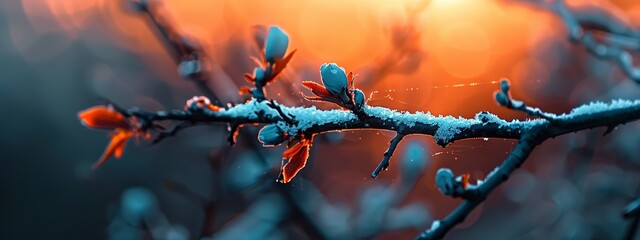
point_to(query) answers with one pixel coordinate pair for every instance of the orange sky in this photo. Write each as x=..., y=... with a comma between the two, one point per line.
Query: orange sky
x=465, y=42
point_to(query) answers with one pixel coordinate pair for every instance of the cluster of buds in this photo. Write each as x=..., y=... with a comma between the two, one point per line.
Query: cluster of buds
x=296, y=155
x=274, y=59
x=449, y=184
x=503, y=97
x=337, y=87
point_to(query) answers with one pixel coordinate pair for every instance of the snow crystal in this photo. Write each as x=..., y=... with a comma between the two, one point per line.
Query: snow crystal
x=435, y=225
x=486, y=117
x=448, y=126
x=494, y=171
x=250, y=110
x=306, y=117
x=594, y=107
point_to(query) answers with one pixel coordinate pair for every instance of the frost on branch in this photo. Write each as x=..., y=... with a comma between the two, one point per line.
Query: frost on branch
x=444, y=129
x=297, y=126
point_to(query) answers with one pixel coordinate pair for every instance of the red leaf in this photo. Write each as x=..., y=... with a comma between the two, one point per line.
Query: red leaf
x=292, y=151
x=320, y=91
x=280, y=65
x=330, y=99
x=116, y=146
x=311, y=98
x=102, y=117
x=259, y=62
x=249, y=78
x=297, y=160
x=316, y=88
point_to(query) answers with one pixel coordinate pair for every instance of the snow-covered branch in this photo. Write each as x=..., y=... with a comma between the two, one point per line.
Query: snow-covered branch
x=310, y=121
x=297, y=126
x=581, y=118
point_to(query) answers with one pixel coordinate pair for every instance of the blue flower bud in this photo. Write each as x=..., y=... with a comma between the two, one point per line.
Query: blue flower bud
x=276, y=44
x=258, y=74
x=358, y=98
x=272, y=135
x=445, y=181
x=502, y=98
x=504, y=85
x=335, y=80
x=189, y=68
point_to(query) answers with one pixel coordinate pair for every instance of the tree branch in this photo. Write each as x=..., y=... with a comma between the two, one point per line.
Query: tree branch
x=581, y=118
x=185, y=51
x=526, y=144
x=504, y=98
x=588, y=23
x=445, y=130
x=631, y=211
x=384, y=164
x=298, y=125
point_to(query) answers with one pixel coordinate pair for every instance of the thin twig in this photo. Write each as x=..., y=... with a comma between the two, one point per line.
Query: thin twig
x=384, y=164
x=176, y=128
x=493, y=180
x=618, y=37
x=632, y=210
x=183, y=49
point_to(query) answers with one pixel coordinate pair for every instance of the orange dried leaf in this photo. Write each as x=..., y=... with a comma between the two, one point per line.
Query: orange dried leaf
x=249, y=77
x=280, y=65
x=465, y=180
x=316, y=88
x=295, y=163
x=285, y=60
x=258, y=61
x=116, y=146
x=313, y=99
x=244, y=90
x=102, y=117
x=320, y=91
x=292, y=151
x=214, y=108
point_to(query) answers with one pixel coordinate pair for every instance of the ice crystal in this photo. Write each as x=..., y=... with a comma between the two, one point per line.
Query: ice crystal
x=594, y=107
